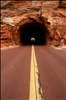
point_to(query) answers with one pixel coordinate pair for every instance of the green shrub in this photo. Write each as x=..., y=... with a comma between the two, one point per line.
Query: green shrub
x=56, y=45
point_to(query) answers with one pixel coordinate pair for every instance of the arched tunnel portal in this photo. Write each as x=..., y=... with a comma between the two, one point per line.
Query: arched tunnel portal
x=33, y=33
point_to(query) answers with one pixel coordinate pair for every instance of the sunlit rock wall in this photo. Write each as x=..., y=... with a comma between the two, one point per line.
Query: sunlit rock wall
x=14, y=14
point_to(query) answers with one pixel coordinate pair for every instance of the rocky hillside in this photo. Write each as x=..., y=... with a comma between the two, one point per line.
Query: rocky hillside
x=14, y=12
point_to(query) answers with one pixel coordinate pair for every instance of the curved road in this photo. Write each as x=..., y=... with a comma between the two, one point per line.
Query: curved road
x=15, y=72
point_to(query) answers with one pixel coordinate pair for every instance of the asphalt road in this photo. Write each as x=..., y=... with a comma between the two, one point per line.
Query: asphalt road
x=15, y=75
x=52, y=69
x=15, y=72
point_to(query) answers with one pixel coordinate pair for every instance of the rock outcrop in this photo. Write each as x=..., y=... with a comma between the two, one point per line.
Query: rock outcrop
x=19, y=13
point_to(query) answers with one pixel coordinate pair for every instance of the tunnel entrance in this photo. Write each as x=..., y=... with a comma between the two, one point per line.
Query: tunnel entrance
x=33, y=33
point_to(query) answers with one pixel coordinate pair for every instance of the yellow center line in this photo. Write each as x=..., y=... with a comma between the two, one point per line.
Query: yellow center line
x=35, y=92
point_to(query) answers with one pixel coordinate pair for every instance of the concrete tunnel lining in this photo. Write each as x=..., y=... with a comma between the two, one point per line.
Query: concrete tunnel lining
x=33, y=30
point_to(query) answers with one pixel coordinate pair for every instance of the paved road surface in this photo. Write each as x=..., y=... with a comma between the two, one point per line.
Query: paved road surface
x=15, y=72
x=52, y=69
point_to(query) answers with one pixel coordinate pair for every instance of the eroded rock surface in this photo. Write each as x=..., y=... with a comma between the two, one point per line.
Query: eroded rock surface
x=16, y=13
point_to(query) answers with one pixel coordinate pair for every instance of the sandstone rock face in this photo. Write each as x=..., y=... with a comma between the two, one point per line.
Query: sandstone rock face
x=6, y=38
x=20, y=12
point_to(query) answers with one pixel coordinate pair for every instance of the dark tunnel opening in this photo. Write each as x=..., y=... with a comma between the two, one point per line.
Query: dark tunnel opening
x=33, y=33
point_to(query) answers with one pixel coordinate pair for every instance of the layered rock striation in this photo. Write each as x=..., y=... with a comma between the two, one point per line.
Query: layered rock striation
x=15, y=14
